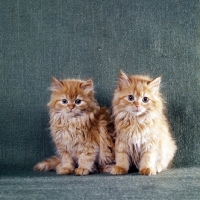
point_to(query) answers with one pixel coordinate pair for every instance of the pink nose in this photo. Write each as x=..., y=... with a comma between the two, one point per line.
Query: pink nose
x=71, y=107
x=137, y=107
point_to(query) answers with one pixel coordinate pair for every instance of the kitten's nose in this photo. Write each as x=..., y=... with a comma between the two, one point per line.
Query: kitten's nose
x=70, y=107
x=137, y=107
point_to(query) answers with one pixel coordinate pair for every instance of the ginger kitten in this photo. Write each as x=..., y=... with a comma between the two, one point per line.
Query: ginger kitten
x=79, y=129
x=143, y=134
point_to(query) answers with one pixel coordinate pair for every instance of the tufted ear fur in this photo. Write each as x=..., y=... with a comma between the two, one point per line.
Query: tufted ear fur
x=123, y=80
x=87, y=85
x=56, y=84
x=155, y=84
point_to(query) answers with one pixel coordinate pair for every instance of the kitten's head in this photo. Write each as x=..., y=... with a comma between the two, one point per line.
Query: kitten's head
x=137, y=95
x=72, y=97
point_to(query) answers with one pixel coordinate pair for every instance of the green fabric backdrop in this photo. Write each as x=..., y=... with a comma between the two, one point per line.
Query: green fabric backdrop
x=95, y=38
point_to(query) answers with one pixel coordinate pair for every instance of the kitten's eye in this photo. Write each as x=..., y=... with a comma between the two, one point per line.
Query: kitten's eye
x=145, y=99
x=64, y=101
x=77, y=101
x=130, y=97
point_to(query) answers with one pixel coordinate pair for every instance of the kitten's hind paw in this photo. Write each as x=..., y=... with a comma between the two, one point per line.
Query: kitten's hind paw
x=107, y=168
x=63, y=170
x=81, y=171
x=116, y=170
x=147, y=171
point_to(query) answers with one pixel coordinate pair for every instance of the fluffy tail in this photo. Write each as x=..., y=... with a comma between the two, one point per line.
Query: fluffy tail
x=48, y=164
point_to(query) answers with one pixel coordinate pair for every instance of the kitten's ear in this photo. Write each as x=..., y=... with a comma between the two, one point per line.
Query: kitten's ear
x=87, y=85
x=56, y=84
x=155, y=84
x=123, y=80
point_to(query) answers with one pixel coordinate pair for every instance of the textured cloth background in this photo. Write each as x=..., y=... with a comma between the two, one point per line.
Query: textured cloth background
x=95, y=38
x=173, y=184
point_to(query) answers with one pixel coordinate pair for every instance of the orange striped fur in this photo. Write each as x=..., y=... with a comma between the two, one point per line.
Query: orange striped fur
x=143, y=134
x=79, y=128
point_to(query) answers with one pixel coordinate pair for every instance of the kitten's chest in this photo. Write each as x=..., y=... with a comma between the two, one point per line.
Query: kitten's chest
x=70, y=131
x=72, y=134
x=139, y=135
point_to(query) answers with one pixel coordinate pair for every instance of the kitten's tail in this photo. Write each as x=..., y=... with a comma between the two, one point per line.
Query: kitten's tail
x=48, y=164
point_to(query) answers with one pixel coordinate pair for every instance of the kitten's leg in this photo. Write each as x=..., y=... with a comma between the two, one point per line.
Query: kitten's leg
x=164, y=163
x=122, y=159
x=67, y=164
x=107, y=168
x=147, y=163
x=166, y=156
x=159, y=167
x=85, y=163
x=106, y=156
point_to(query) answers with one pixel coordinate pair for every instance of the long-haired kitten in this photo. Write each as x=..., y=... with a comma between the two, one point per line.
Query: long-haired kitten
x=79, y=129
x=143, y=134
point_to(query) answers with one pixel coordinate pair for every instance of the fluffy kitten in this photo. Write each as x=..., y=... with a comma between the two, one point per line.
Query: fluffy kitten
x=79, y=129
x=143, y=135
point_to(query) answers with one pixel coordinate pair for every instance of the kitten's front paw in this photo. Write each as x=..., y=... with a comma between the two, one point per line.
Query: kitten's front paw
x=148, y=171
x=81, y=171
x=116, y=170
x=63, y=170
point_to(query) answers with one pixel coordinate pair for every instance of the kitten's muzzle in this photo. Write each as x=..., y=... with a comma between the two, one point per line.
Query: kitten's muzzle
x=71, y=107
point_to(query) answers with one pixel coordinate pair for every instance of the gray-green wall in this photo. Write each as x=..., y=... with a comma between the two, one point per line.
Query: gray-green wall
x=95, y=38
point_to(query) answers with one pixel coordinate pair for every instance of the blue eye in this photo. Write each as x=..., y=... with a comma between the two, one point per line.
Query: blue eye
x=64, y=101
x=130, y=97
x=77, y=101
